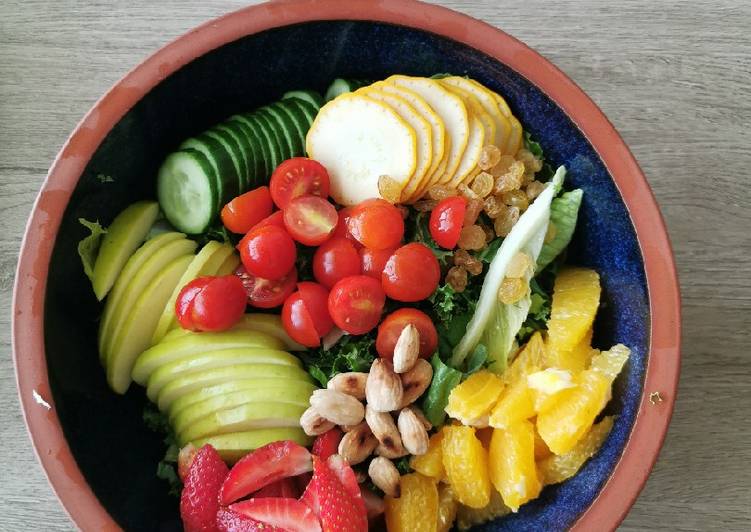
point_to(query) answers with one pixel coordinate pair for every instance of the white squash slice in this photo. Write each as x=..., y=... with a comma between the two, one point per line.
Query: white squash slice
x=515, y=137
x=487, y=99
x=359, y=139
x=478, y=110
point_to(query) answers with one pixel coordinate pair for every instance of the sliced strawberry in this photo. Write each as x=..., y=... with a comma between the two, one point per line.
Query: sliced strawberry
x=285, y=487
x=302, y=481
x=344, y=473
x=199, y=499
x=374, y=505
x=263, y=466
x=184, y=459
x=337, y=508
x=327, y=443
x=229, y=521
x=289, y=514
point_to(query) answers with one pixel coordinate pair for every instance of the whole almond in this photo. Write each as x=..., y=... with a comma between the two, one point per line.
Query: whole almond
x=391, y=454
x=407, y=349
x=337, y=407
x=416, y=381
x=384, y=428
x=421, y=416
x=352, y=383
x=385, y=475
x=383, y=389
x=357, y=444
x=313, y=423
x=414, y=435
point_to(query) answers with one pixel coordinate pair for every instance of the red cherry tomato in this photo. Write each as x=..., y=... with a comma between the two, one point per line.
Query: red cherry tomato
x=211, y=303
x=305, y=314
x=411, y=273
x=268, y=252
x=297, y=177
x=276, y=219
x=446, y=221
x=356, y=303
x=376, y=224
x=336, y=259
x=373, y=261
x=341, y=226
x=393, y=324
x=246, y=210
x=310, y=219
x=263, y=293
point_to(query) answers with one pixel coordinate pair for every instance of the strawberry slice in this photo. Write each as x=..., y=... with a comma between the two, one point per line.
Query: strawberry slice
x=327, y=443
x=199, y=499
x=337, y=508
x=374, y=505
x=184, y=459
x=288, y=514
x=344, y=473
x=263, y=466
x=285, y=487
x=229, y=521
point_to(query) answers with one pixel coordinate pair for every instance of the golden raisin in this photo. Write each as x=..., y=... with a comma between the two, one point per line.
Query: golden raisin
x=520, y=263
x=492, y=206
x=512, y=290
x=461, y=257
x=489, y=232
x=515, y=198
x=467, y=192
x=511, y=179
x=425, y=205
x=472, y=237
x=474, y=208
x=506, y=220
x=489, y=157
x=482, y=185
x=550, y=233
x=457, y=278
x=531, y=163
x=504, y=163
x=534, y=189
x=439, y=192
x=389, y=189
x=473, y=266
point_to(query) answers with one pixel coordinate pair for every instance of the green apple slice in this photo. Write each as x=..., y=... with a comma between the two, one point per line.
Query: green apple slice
x=231, y=447
x=150, y=269
x=291, y=392
x=229, y=265
x=135, y=334
x=192, y=381
x=242, y=418
x=206, y=262
x=124, y=235
x=216, y=359
x=196, y=343
x=135, y=262
x=218, y=391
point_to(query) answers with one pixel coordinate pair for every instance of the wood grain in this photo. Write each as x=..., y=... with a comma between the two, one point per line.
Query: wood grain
x=672, y=76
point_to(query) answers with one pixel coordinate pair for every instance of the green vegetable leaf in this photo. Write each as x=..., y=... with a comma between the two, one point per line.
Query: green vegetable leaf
x=88, y=247
x=476, y=361
x=444, y=380
x=168, y=472
x=443, y=302
x=351, y=353
x=441, y=75
x=539, y=312
x=488, y=252
x=532, y=146
x=166, y=468
x=402, y=465
x=564, y=212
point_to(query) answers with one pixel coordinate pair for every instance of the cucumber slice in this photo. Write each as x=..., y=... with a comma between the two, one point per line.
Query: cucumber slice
x=256, y=137
x=231, y=148
x=242, y=134
x=187, y=191
x=342, y=86
x=220, y=160
x=286, y=127
x=311, y=97
x=299, y=119
x=283, y=149
x=268, y=141
x=239, y=151
x=308, y=110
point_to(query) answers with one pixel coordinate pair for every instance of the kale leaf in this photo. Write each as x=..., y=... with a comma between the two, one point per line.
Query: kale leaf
x=351, y=353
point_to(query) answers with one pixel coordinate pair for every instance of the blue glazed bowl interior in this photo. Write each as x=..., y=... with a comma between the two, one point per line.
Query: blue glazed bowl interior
x=117, y=454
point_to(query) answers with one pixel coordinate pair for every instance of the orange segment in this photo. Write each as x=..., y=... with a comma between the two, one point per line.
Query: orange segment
x=467, y=517
x=516, y=403
x=531, y=358
x=548, y=386
x=541, y=448
x=512, y=464
x=576, y=296
x=471, y=401
x=575, y=360
x=418, y=499
x=466, y=463
x=430, y=464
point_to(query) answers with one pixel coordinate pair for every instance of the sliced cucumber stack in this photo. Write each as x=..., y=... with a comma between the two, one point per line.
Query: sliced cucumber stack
x=342, y=86
x=235, y=156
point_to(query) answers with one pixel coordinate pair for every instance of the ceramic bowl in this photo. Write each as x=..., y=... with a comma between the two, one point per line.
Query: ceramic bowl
x=93, y=445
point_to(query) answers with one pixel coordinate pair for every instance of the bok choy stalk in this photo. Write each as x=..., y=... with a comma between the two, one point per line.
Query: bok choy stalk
x=495, y=324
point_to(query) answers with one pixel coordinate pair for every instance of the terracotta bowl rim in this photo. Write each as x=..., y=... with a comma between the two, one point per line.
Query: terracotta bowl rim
x=663, y=367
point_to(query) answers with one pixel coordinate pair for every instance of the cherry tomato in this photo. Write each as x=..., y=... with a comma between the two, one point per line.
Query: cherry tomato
x=263, y=293
x=268, y=252
x=211, y=303
x=341, y=226
x=297, y=177
x=336, y=259
x=246, y=210
x=356, y=303
x=373, y=261
x=393, y=324
x=310, y=219
x=411, y=273
x=276, y=219
x=376, y=224
x=305, y=314
x=446, y=221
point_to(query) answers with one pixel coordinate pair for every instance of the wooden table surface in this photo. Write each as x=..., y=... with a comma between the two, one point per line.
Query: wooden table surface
x=672, y=76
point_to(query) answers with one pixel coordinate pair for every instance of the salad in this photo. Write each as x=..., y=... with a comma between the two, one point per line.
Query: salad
x=354, y=312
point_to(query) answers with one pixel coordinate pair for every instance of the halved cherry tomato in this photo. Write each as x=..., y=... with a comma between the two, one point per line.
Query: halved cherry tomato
x=263, y=293
x=411, y=273
x=298, y=176
x=446, y=221
x=393, y=324
x=211, y=303
x=376, y=224
x=305, y=315
x=268, y=252
x=336, y=259
x=310, y=219
x=341, y=226
x=373, y=261
x=246, y=210
x=276, y=219
x=356, y=303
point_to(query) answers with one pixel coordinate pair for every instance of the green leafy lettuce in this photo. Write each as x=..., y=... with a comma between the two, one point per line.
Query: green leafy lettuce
x=445, y=379
x=564, y=212
x=351, y=353
x=88, y=247
x=166, y=469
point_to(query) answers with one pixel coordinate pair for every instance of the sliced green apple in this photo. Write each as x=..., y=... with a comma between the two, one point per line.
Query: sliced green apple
x=135, y=334
x=195, y=343
x=126, y=232
x=231, y=447
x=193, y=381
x=249, y=416
x=215, y=359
